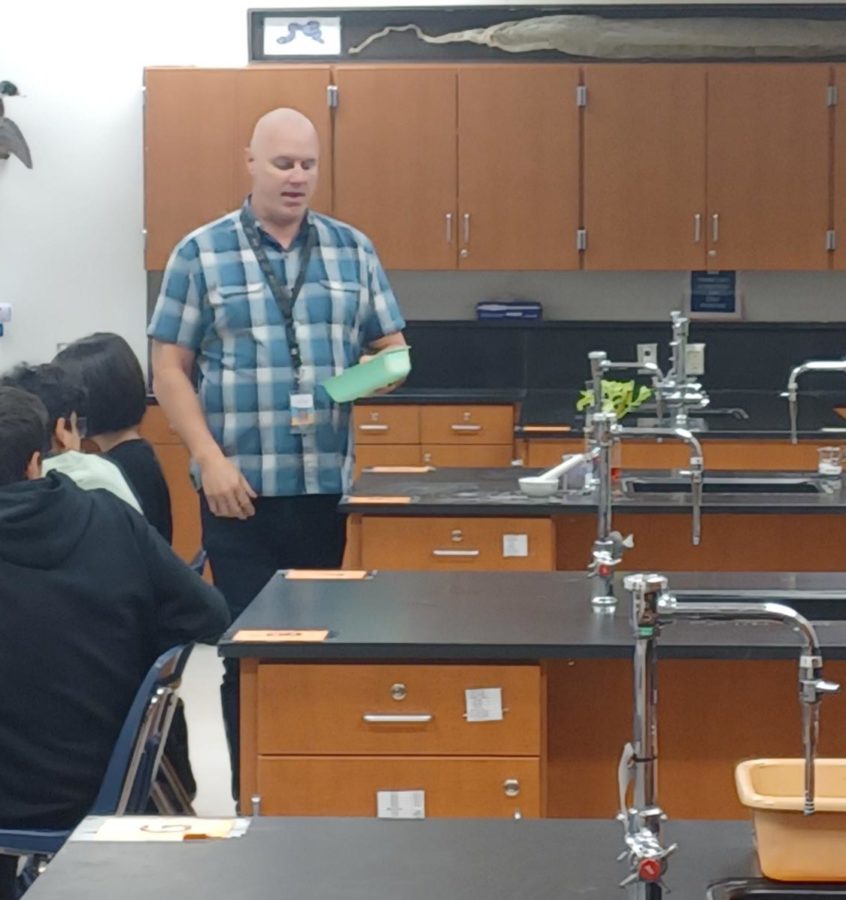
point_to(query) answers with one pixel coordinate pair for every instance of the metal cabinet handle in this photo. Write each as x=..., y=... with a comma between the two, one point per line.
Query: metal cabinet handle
x=408, y=719
x=466, y=220
x=456, y=552
x=467, y=428
x=715, y=227
x=373, y=427
x=448, y=219
x=511, y=786
x=697, y=228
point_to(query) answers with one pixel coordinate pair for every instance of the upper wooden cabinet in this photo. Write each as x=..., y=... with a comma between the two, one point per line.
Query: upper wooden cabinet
x=725, y=166
x=475, y=167
x=197, y=123
x=839, y=185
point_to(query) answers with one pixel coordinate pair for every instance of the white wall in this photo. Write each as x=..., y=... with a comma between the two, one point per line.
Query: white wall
x=70, y=230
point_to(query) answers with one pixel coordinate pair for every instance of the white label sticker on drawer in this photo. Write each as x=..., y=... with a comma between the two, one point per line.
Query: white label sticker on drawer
x=515, y=545
x=483, y=704
x=401, y=804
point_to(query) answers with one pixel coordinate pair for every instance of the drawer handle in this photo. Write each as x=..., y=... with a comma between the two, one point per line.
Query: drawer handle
x=466, y=428
x=373, y=427
x=511, y=787
x=386, y=719
x=456, y=553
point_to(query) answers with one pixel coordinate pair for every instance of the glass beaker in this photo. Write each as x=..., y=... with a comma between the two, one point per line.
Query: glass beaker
x=830, y=460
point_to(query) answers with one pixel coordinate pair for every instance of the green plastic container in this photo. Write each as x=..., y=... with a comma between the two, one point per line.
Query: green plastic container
x=362, y=380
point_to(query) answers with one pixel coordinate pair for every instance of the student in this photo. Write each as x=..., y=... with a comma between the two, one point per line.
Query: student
x=117, y=401
x=64, y=397
x=90, y=595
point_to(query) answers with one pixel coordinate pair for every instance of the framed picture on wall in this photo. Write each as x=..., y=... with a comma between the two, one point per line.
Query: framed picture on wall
x=278, y=36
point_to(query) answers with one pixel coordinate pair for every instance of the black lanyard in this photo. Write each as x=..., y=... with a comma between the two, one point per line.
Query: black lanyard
x=285, y=299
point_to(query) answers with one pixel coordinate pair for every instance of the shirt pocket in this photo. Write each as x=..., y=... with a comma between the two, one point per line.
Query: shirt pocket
x=238, y=307
x=337, y=304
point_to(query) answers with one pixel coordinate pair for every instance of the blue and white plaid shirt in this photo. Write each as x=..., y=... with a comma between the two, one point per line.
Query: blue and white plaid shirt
x=216, y=302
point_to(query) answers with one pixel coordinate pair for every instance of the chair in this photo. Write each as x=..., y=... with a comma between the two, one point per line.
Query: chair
x=129, y=780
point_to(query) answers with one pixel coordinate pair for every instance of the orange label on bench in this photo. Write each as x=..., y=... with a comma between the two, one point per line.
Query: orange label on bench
x=326, y=574
x=401, y=470
x=362, y=499
x=306, y=636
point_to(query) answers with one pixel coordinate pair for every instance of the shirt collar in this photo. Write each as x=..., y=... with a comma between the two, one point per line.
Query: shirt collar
x=299, y=238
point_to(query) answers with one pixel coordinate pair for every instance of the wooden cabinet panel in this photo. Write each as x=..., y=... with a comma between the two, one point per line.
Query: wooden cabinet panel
x=768, y=166
x=487, y=456
x=368, y=455
x=320, y=709
x=395, y=161
x=644, y=166
x=474, y=544
x=386, y=424
x=467, y=425
x=347, y=786
x=839, y=186
x=518, y=158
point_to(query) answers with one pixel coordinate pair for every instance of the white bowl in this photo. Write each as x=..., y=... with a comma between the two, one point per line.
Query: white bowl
x=535, y=486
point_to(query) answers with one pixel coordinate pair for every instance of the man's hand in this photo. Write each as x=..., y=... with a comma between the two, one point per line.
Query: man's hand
x=228, y=493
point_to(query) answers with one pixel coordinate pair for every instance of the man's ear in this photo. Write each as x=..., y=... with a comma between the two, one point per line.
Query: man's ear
x=33, y=467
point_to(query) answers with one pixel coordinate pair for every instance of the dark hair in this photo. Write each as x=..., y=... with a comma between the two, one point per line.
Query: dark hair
x=61, y=392
x=23, y=431
x=112, y=376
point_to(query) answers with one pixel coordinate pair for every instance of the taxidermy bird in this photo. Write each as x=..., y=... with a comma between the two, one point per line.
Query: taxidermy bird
x=11, y=139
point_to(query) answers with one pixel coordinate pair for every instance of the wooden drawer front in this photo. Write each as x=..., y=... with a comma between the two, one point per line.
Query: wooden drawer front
x=347, y=786
x=386, y=424
x=471, y=544
x=462, y=457
x=367, y=455
x=311, y=709
x=467, y=424
x=156, y=429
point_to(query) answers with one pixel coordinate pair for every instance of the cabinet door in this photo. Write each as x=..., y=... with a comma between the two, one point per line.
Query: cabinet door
x=840, y=168
x=768, y=166
x=196, y=125
x=395, y=161
x=518, y=156
x=644, y=166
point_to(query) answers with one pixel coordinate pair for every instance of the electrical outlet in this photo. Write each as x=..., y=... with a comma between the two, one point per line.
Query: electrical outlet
x=647, y=353
x=695, y=359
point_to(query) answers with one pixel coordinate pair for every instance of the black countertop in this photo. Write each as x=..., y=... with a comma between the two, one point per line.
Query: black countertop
x=372, y=859
x=496, y=492
x=513, y=616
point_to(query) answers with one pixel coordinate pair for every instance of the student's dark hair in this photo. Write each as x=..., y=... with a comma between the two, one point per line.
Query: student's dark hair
x=112, y=376
x=61, y=392
x=23, y=431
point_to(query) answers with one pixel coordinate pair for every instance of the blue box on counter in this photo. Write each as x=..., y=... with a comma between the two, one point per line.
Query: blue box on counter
x=509, y=309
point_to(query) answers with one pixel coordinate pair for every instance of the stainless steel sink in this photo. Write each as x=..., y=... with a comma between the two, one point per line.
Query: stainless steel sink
x=758, y=889
x=729, y=484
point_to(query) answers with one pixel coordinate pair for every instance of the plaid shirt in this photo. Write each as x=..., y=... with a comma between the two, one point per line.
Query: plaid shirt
x=216, y=302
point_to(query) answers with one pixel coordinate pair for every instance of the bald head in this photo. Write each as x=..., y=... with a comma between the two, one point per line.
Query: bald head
x=282, y=161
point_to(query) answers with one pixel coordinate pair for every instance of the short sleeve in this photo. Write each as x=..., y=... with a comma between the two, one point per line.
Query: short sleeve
x=179, y=316
x=381, y=315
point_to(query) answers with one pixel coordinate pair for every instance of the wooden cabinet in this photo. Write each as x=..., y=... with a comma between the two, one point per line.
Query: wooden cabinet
x=839, y=186
x=197, y=123
x=739, y=180
x=460, y=543
x=473, y=167
x=386, y=424
x=323, y=739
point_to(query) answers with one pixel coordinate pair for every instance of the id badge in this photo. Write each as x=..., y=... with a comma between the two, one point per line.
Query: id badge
x=302, y=413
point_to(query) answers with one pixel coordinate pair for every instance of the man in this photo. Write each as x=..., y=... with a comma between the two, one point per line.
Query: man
x=64, y=396
x=90, y=595
x=269, y=301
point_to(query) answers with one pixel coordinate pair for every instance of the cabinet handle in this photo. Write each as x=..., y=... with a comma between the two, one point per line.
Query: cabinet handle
x=466, y=219
x=448, y=218
x=466, y=428
x=373, y=427
x=715, y=227
x=386, y=719
x=455, y=553
x=511, y=786
x=697, y=228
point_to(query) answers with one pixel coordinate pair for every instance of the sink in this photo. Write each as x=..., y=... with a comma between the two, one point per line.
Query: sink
x=728, y=485
x=759, y=889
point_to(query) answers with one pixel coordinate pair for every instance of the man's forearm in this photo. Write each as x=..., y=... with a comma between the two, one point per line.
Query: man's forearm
x=176, y=396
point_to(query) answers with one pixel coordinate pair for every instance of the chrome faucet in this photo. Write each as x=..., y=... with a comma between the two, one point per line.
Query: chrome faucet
x=792, y=393
x=652, y=607
x=609, y=545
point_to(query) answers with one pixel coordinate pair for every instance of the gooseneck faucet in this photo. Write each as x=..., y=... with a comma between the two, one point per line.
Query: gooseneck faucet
x=609, y=545
x=652, y=607
x=813, y=365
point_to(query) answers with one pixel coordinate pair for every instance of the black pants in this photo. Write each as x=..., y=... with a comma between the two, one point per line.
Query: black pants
x=305, y=532
x=8, y=869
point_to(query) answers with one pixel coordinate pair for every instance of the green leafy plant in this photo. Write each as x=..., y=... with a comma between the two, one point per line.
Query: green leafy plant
x=618, y=397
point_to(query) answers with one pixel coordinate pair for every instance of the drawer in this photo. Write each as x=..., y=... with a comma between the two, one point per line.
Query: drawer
x=347, y=786
x=321, y=708
x=156, y=429
x=449, y=543
x=495, y=456
x=467, y=424
x=367, y=455
x=386, y=424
